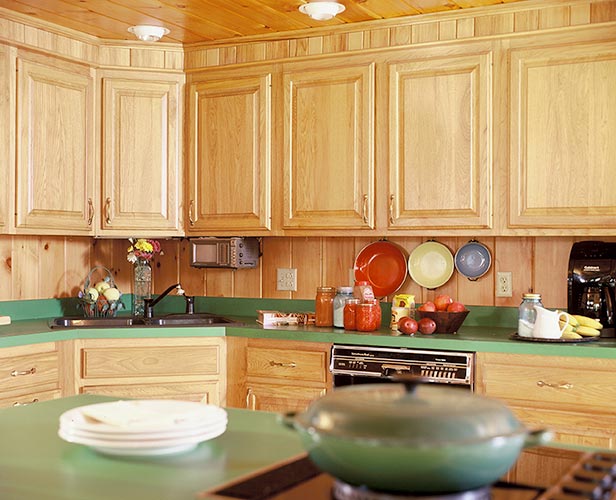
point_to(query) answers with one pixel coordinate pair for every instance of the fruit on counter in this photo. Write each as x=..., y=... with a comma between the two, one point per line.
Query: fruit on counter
x=102, y=286
x=442, y=301
x=571, y=318
x=427, y=326
x=427, y=306
x=570, y=335
x=589, y=322
x=90, y=294
x=111, y=293
x=407, y=325
x=456, y=307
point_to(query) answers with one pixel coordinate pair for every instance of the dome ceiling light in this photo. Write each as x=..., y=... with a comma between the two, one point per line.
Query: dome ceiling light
x=321, y=10
x=147, y=33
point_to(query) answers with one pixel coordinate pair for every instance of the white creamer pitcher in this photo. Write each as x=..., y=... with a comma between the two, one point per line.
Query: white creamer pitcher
x=547, y=324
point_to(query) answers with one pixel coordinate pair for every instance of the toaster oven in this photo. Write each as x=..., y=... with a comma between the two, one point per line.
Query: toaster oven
x=233, y=252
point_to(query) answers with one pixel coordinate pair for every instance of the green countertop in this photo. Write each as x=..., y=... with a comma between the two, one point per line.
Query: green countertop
x=36, y=464
x=486, y=329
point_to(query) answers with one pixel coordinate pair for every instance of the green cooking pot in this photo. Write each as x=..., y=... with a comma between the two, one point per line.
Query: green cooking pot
x=404, y=437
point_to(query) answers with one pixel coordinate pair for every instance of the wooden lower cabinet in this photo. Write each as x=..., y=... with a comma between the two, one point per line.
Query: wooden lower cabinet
x=191, y=369
x=574, y=397
x=282, y=375
x=29, y=373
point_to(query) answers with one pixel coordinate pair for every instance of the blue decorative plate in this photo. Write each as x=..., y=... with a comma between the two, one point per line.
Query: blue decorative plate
x=473, y=260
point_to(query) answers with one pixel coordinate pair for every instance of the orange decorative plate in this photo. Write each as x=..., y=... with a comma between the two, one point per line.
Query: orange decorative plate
x=383, y=265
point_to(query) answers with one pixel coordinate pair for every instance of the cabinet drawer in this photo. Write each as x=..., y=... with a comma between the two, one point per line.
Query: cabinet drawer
x=310, y=366
x=28, y=399
x=21, y=372
x=120, y=362
x=566, y=383
x=206, y=391
x=281, y=398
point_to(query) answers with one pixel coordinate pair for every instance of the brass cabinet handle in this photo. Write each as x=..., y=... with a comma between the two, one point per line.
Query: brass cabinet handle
x=17, y=403
x=251, y=399
x=365, y=209
x=292, y=364
x=17, y=373
x=392, y=198
x=90, y=211
x=108, y=210
x=191, y=208
x=563, y=385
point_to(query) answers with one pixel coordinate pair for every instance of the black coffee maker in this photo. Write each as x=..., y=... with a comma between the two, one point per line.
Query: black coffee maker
x=592, y=282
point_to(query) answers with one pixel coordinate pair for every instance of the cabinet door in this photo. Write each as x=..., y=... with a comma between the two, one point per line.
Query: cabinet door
x=230, y=153
x=329, y=145
x=440, y=134
x=280, y=397
x=141, y=168
x=205, y=391
x=55, y=147
x=7, y=134
x=563, y=124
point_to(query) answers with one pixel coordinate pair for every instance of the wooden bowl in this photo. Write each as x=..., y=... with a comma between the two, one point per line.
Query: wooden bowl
x=446, y=322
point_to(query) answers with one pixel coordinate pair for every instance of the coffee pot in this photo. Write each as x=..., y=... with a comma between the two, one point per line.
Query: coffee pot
x=592, y=282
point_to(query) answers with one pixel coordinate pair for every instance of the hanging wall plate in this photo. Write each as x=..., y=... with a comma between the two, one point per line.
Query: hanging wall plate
x=431, y=264
x=473, y=260
x=383, y=265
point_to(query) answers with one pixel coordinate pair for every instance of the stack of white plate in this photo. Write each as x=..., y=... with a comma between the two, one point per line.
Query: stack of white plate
x=143, y=427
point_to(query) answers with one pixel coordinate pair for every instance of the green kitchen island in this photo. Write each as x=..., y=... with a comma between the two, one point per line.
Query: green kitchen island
x=35, y=464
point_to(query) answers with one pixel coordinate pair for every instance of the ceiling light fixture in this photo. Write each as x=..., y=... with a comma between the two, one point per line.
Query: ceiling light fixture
x=321, y=10
x=147, y=33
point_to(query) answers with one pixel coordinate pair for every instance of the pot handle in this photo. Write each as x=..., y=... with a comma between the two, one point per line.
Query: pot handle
x=538, y=437
x=288, y=419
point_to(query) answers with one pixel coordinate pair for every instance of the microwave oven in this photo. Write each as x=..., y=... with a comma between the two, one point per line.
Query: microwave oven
x=233, y=252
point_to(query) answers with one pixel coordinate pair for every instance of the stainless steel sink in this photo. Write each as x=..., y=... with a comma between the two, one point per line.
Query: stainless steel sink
x=197, y=319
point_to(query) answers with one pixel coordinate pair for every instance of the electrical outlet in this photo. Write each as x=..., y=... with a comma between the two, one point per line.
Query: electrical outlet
x=286, y=279
x=504, y=284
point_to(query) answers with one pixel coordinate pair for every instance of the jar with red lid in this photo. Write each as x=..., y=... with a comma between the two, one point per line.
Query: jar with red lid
x=349, y=313
x=324, y=306
x=367, y=317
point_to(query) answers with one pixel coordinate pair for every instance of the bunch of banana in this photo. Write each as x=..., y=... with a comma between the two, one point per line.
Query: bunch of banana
x=580, y=326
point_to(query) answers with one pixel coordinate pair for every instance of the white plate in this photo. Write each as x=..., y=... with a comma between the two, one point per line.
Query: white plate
x=142, y=437
x=142, y=416
x=147, y=447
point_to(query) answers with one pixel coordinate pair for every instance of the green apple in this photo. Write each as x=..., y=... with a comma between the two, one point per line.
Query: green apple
x=101, y=286
x=111, y=294
x=90, y=294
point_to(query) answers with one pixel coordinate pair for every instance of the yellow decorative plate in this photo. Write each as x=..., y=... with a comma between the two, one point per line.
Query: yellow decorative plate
x=431, y=264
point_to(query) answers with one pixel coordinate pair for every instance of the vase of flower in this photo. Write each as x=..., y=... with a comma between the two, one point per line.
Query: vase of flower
x=140, y=254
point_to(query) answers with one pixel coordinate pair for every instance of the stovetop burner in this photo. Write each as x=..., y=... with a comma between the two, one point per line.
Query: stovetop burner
x=344, y=491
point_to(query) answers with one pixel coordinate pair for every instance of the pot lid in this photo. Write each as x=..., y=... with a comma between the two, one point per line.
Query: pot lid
x=425, y=415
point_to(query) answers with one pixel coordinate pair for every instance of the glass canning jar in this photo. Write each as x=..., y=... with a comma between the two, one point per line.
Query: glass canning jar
x=350, y=313
x=343, y=293
x=324, y=306
x=367, y=317
x=527, y=314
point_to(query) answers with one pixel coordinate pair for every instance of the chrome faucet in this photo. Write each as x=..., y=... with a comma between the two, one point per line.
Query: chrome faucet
x=150, y=303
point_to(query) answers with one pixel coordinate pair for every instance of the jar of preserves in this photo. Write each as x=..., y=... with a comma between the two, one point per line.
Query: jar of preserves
x=349, y=313
x=367, y=317
x=324, y=306
x=379, y=311
x=342, y=294
x=527, y=314
x=363, y=291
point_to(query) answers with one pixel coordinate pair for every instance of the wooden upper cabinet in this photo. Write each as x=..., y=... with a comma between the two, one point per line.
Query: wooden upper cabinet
x=439, y=145
x=141, y=168
x=563, y=124
x=7, y=133
x=230, y=152
x=329, y=109
x=55, y=146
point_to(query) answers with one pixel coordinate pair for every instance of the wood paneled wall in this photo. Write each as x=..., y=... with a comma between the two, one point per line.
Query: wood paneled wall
x=40, y=267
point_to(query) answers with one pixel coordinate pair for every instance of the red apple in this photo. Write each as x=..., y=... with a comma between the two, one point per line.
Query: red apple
x=426, y=326
x=456, y=307
x=427, y=306
x=407, y=325
x=442, y=301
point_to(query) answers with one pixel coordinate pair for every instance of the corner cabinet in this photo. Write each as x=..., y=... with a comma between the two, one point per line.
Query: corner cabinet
x=141, y=147
x=563, y=124
x=329, y=176
x=438, y=118
x=229, y=152
x=285, y=375
x=575, y=397
x=191, y=369
x=55, y=146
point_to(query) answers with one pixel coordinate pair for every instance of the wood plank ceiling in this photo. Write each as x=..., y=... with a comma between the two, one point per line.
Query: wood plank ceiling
x=197, y=21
